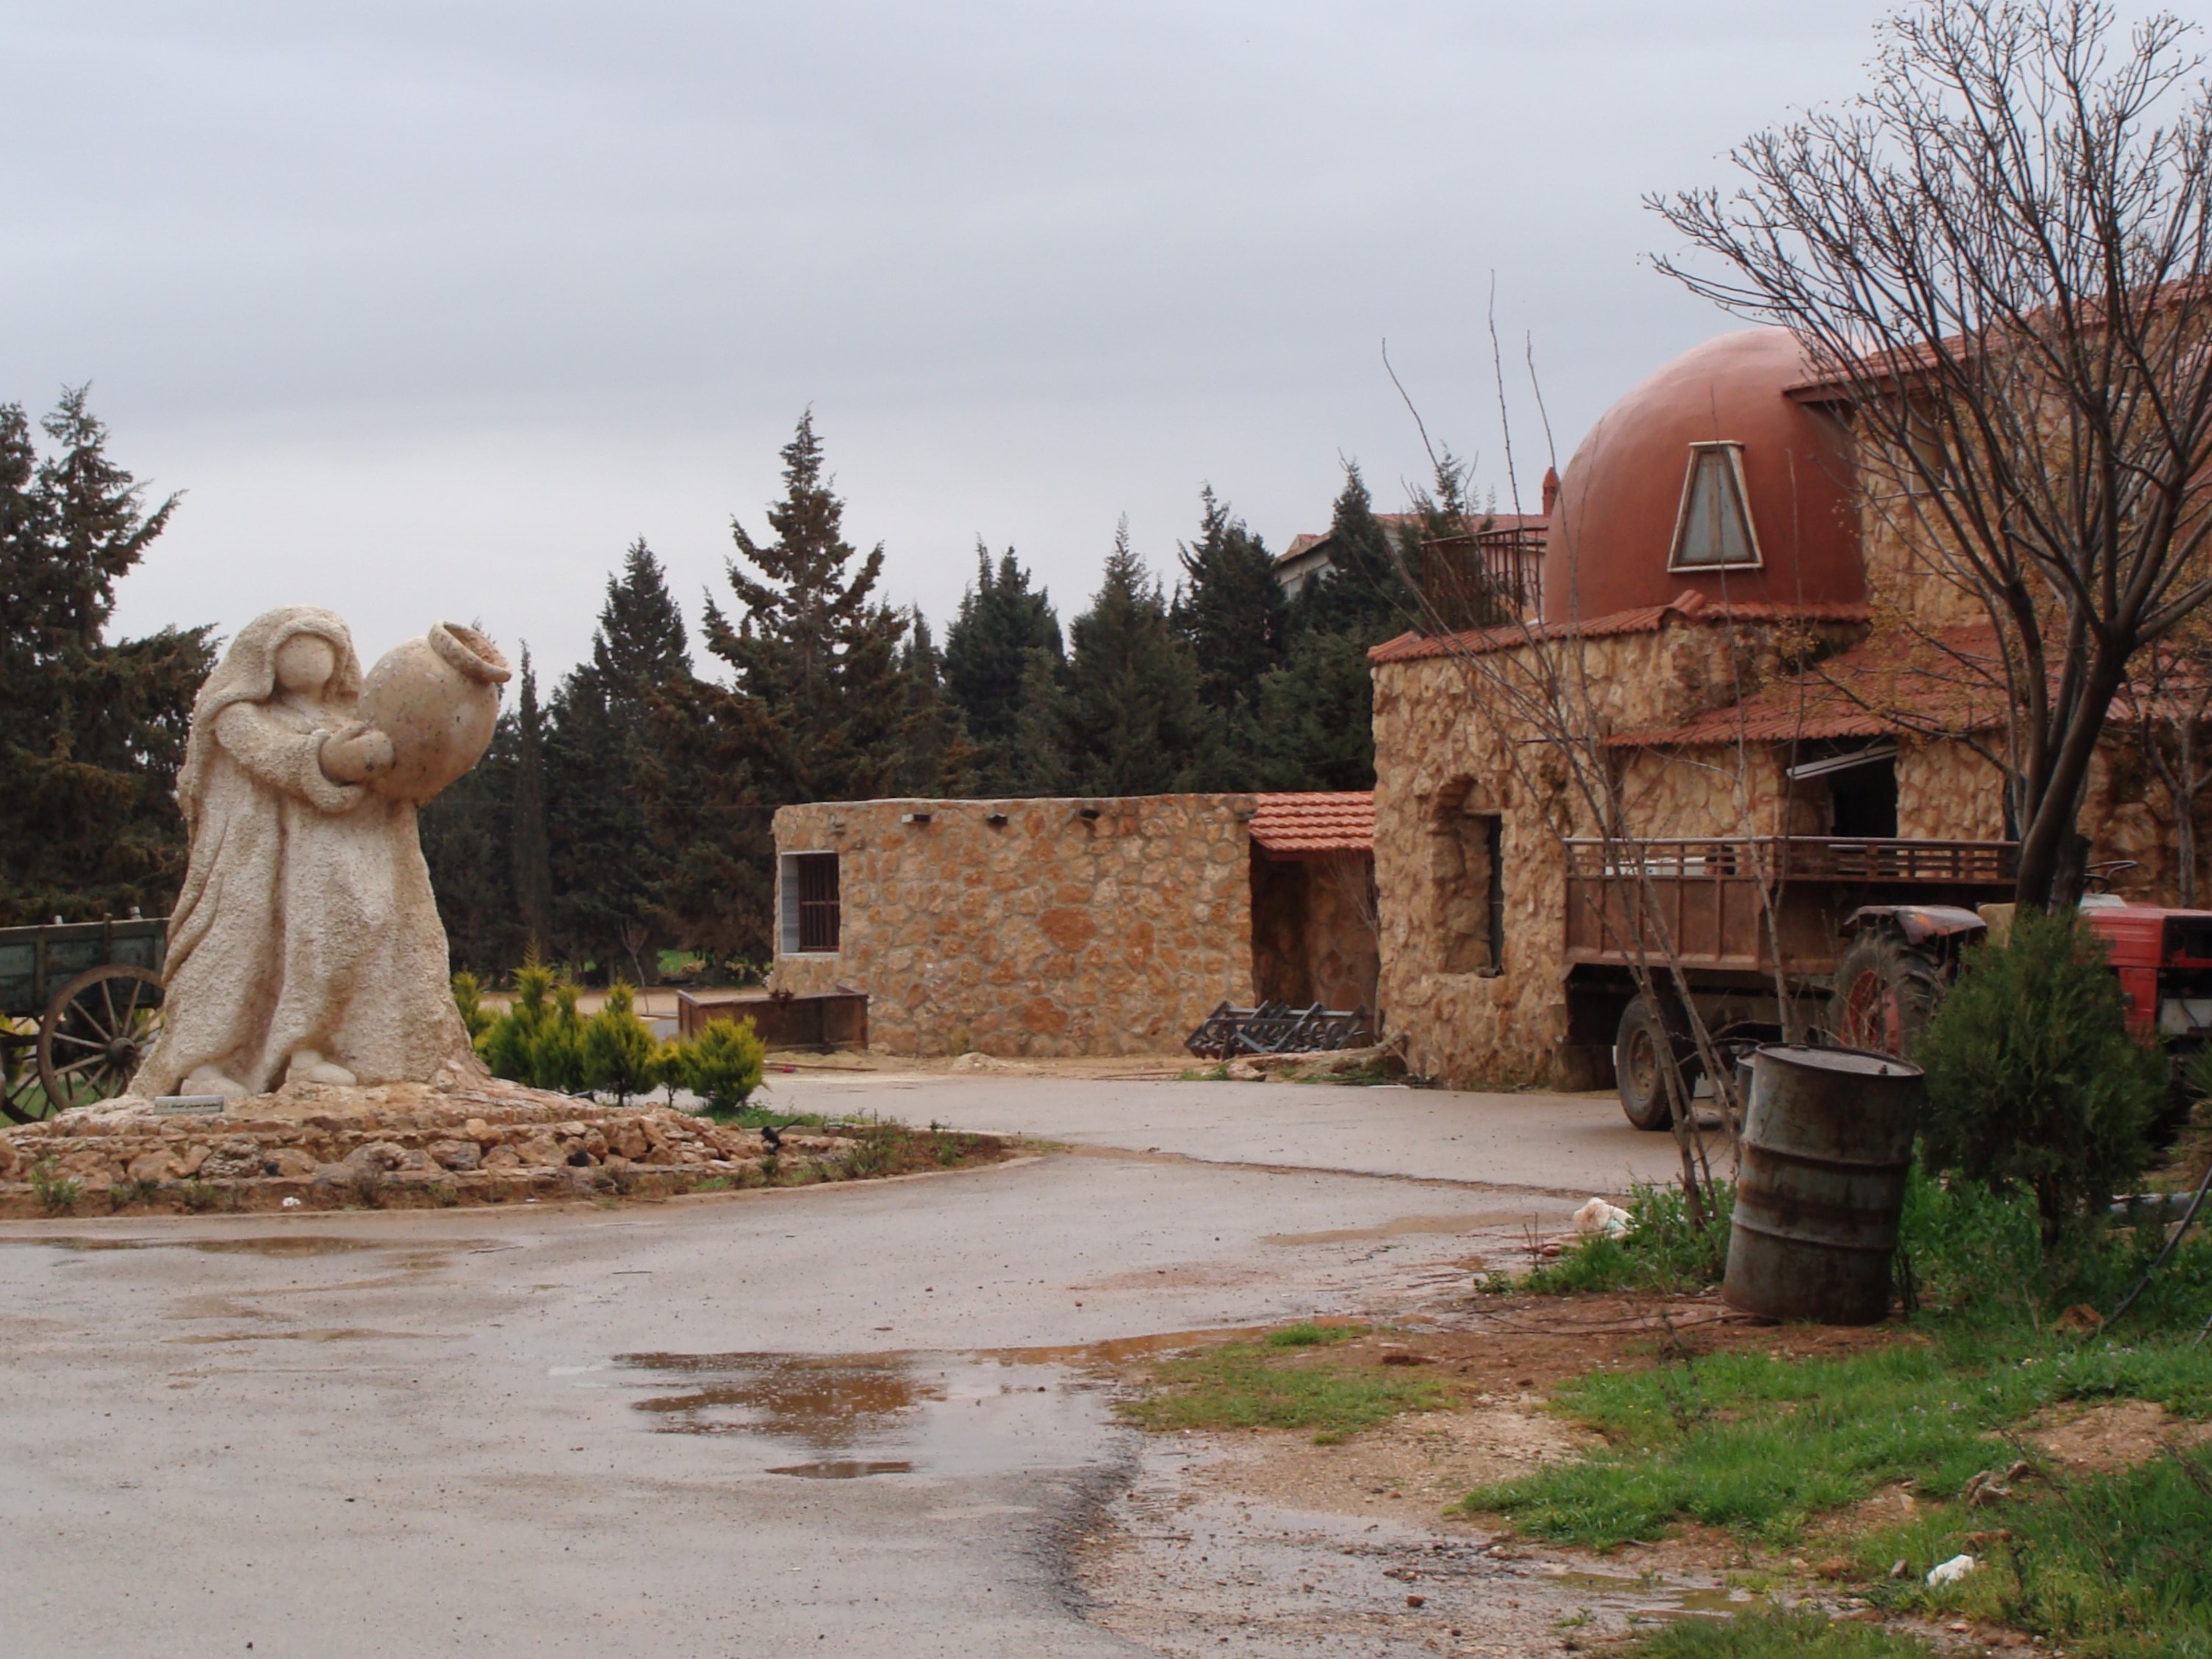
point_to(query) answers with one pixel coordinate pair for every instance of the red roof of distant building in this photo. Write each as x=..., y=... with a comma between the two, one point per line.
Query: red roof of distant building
x=1690, y=607
x=1315, y=825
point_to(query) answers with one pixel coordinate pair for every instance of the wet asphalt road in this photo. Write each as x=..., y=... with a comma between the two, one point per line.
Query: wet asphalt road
x=833, y=1420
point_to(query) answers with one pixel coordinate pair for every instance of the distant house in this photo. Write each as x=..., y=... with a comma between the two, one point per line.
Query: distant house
x=1503, y=561
x=1309, y=555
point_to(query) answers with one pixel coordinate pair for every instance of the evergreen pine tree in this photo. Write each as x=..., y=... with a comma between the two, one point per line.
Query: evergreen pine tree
x=609, y=869
x=1129, y=720
x=939, y=761
x=817, y=708
x=641, y=644
x=987, y=651
x=1039, y=763
x=531, y=856
x=1230, y=607
x=813, y=653
x=1313, y=721
x=464, y=835
x=93, y=732
x=1361, y=592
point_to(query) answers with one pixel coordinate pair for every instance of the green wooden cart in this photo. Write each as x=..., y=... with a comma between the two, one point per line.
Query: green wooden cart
x=79, y=1003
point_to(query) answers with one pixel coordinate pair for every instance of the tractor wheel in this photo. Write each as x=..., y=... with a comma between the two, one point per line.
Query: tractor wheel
x=1640, y=1050
x=1885, y=992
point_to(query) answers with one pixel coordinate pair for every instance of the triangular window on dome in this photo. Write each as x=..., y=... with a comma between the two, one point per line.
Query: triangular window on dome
x=1714, y=531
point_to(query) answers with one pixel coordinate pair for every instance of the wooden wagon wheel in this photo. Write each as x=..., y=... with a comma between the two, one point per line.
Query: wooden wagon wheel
x=97, y=1029
x=22, y=1100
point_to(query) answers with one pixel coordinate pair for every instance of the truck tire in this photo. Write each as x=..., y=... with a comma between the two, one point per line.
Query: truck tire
x=1638, y=1048
x=1885, y=992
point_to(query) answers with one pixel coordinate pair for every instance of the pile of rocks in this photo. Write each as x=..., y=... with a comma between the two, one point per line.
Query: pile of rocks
x=455, y=1140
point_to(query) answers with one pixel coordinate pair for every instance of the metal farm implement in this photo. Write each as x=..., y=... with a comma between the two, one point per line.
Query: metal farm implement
x=1276, y=1028
x=79, y=1003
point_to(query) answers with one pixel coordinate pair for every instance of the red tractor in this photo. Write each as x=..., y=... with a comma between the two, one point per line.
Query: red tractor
x=1903, y=959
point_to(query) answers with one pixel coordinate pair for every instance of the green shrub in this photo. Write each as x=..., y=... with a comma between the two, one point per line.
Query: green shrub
x=556, y=1048
x=620, y=1056
x=505, y=1043
x=540, y=1039
x=722, y=1065
x=2032, y=1079
x=56, y=1193
x=468, y=997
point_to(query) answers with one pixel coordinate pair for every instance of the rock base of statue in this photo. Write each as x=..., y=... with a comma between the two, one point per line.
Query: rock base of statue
x=456, y=1139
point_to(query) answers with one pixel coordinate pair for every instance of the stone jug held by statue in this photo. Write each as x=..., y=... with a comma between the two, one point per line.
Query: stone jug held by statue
x=437, y=699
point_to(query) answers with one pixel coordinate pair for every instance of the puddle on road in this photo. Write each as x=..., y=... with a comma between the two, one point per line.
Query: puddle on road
x=824, y=1404
x=1406, y=1226
x=846, y=1468
x=1650, y=1597
x=849, y=1417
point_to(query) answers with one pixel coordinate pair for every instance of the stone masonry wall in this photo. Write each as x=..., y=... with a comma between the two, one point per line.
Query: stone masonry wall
x=1044, y=934
x=1441, y=753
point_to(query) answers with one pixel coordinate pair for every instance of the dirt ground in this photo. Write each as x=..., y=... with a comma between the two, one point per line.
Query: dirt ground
x=1280, y=1547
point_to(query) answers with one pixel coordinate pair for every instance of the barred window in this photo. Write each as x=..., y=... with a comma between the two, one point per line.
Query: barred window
x=807, y=887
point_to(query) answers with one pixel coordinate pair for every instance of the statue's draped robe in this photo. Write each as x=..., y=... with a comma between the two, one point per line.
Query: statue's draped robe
x=306, y=919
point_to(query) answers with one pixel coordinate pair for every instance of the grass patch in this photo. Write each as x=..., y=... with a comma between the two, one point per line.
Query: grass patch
x=1777, y=1635
x=1758, y=1445
x=2115, y=1566
x=1663, y=1250
x=1310, y=1336
x=1273, y=1384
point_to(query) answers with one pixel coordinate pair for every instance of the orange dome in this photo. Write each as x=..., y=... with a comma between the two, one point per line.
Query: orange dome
x=1654, y=501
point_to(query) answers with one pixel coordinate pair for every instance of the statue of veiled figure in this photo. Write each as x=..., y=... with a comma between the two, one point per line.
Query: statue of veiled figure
x=306, y=945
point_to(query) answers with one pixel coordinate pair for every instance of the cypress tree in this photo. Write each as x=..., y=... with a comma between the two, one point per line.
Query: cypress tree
x=1229, y=607
x=608, y=870
x=817, y=707
x=530, y=853
x=939, y=760
x=94, y=731
x=1313, y=719
x=1130, y=721
x=812, y=654
x=640, y=644
x=465, y=835
x=987, y=651
x=1361, y=592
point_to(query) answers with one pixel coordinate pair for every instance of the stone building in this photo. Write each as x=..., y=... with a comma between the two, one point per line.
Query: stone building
x=1075, y=926
x=1734, y=624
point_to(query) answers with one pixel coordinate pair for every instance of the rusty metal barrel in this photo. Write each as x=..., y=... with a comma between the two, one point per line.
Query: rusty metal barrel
x=1826, y=1142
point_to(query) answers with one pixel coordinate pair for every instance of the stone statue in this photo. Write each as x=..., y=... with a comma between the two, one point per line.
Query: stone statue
x=306, y=945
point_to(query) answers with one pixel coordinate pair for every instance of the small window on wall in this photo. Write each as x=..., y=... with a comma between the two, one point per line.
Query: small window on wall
x=1713, y=531
x=806, y=885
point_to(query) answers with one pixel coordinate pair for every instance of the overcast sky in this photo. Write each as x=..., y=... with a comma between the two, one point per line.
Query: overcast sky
x=431, y=306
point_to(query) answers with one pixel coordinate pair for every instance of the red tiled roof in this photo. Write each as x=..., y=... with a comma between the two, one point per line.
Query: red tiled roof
x=1648, y=619
x=1315, y=825
x=1890, y=683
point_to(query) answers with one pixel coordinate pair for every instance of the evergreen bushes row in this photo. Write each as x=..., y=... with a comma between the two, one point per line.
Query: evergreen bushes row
x=542, y=1042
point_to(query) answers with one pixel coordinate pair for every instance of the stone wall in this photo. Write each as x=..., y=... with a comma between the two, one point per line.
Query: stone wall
x=1454, y=738
x=1448, y=747
x=1025, y=927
